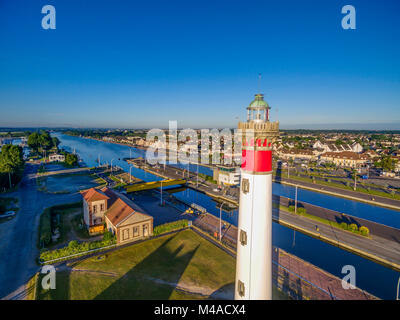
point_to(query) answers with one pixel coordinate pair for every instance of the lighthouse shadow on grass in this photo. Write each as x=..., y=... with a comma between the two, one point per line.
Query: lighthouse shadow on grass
x=155, y=277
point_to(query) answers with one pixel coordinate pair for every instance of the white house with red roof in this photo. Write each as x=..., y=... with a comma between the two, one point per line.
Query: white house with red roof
x=121, y=215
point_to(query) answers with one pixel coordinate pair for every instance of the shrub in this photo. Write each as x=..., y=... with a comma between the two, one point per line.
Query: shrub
x=107, y=236
x=73, y=244
x=364, y=231
x=353, y=227
x=291, y=208
x=344, y=225
x=301, y=210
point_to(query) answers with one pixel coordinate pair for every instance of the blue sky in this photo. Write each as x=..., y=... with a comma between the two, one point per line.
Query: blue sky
x=142, y=63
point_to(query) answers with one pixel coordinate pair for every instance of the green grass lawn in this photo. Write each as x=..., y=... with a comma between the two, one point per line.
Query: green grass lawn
x=149, y=270
x=177, y=266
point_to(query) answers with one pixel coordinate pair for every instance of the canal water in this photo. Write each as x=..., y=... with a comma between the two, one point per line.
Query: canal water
x=370, y=276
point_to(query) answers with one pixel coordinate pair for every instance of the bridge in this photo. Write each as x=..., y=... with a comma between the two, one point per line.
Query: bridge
x=154, y=184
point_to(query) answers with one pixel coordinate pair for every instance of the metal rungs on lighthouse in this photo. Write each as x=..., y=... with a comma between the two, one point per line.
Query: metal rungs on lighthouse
x=254, y=245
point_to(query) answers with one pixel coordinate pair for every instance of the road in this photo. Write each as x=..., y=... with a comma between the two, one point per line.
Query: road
x=18, y=236
x=359, y=196
x=379, y=247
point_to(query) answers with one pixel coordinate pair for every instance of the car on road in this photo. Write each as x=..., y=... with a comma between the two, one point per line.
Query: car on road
x=7, y=214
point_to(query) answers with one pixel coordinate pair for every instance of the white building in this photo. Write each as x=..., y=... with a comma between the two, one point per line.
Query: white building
x=56, y=157
x=331, y=147
x=226, y=175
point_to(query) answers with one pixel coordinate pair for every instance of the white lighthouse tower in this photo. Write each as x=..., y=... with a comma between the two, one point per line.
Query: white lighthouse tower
x=254, y=246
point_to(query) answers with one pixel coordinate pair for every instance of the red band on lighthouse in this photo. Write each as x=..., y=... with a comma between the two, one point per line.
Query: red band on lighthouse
x=257, y=161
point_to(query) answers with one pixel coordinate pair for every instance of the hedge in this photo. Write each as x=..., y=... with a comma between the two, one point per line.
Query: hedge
x=75, y=247
x=354, y=228
x=300, y=210
x=171, y=226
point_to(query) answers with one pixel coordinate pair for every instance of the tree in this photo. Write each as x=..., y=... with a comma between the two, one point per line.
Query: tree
x=11, y=164
x=353, y=227
x=364, y=231
x=387, y=163
x=45, y=140
x=55, y=142
x=42, y=141
x=33, y=141
x=71, y=159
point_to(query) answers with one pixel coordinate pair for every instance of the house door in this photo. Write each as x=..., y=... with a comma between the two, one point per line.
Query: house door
x=145, y=230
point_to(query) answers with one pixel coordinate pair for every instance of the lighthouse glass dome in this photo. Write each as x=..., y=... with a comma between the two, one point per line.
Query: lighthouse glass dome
x=258, y=110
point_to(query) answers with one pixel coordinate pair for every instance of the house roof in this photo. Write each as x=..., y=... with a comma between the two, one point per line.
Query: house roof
x=93, y=194
x=345, y=155
x=121, y=207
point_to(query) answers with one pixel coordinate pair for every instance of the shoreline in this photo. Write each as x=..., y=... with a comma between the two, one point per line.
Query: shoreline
x=299, y=184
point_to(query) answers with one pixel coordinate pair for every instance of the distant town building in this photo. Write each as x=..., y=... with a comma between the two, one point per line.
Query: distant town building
x=297, y=154
x=331, y=147
x=56, y=157
x=345, y=159
x=227, y=175
x=121, y=215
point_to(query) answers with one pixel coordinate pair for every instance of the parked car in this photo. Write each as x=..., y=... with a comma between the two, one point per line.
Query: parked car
x=7, y=214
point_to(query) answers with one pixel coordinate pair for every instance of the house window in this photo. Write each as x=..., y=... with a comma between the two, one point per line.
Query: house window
x=135, y=231
x=125, y=234
x=145, y=230
x=101, y=207
x=94, y=209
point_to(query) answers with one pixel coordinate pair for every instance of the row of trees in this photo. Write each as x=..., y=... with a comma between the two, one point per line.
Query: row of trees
x=11, y=165
x=41, y=141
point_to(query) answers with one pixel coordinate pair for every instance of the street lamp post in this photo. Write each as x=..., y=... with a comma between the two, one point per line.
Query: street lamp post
x=220, y=218
x=111, y=164
x=355, y=179
x=295, y=201
x=398, y=285
x=130, y=175
x=161, y=194
x=197, y=179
